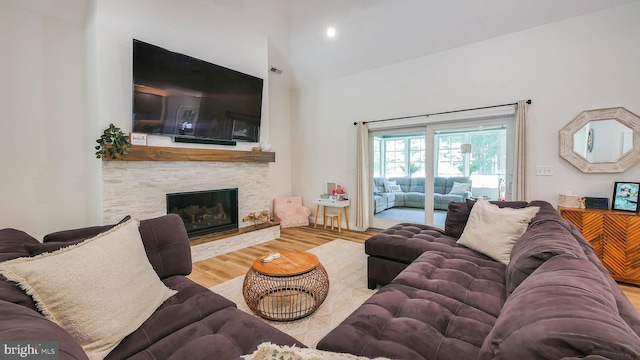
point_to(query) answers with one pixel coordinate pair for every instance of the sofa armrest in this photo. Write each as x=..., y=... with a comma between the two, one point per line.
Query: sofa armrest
x=167, y=245
x=18, y=323
x=305, y=211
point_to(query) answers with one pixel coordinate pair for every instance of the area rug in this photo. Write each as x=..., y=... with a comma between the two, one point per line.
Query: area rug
x=346, y=265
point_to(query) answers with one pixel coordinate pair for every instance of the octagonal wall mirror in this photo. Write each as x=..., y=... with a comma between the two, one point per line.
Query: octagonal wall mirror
x=602, y=141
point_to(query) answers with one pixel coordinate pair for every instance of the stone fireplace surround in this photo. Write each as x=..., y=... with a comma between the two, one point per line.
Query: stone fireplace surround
x=139, y=188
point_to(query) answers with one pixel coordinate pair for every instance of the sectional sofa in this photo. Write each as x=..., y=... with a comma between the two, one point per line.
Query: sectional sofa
x=411, y=192
x=195, y=323
x=552, y=300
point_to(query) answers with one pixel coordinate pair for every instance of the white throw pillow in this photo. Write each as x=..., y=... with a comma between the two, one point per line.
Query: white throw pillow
x=493, y=231
x=99, y=291
x=459, y=188
x=269, y=351
x=388, y=184
x=395, y=188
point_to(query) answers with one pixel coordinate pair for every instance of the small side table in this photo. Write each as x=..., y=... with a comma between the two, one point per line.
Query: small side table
x=287, y=288
x=340, y=204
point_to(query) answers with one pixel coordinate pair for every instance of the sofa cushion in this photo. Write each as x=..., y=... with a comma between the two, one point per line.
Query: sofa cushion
x=406, y=241
x=167, y=246
x=93, y=308
x=12, y=243
x=442, y=306
x=546, y=237
x=58, y=240
x=493, y=231
x=41, y=248
x=458, y=214
x=197, y=323
x=80, y=233
x=564, y=309
x=417, y=185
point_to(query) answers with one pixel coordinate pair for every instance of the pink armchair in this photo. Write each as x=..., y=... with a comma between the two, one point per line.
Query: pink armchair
x=290, y=212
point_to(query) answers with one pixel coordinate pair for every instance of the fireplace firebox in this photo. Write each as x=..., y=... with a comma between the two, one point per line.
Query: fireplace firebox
x=205, y=212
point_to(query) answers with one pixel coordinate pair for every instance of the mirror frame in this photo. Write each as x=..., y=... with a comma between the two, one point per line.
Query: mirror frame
x=622, y=115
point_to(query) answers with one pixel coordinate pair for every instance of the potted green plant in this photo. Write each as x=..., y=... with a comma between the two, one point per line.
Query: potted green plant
x=113, y=141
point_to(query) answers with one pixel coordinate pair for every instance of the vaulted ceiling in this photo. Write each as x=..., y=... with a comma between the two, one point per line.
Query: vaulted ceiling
x=370, y=33
x=374, y=33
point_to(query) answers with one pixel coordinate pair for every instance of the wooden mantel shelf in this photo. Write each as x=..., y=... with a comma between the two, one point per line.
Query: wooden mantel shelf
x=161, y=153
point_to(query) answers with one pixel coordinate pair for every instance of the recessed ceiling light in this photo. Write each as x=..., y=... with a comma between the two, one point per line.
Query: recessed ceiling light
x=331, y=32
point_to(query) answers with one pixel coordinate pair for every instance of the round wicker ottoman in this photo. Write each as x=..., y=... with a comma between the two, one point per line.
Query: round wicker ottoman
x=288, y=288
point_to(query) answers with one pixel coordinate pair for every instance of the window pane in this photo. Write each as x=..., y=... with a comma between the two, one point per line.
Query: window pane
x=377, y=157
x=417, y=157
x=486, y=153
x=450, y=160
x=395, y=157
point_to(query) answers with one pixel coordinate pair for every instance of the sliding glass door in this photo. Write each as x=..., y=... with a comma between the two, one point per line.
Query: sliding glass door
x=417, y=171
x=470, y=160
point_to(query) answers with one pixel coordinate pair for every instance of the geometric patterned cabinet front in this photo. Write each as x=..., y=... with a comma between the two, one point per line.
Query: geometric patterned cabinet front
x=615, y=236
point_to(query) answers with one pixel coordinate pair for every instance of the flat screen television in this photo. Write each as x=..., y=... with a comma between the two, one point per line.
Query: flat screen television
x=193, y=100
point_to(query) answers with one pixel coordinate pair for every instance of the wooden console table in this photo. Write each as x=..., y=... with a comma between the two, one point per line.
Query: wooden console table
x=615, y=236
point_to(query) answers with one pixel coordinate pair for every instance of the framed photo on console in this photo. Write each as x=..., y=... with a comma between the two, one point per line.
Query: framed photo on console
x=625, y=196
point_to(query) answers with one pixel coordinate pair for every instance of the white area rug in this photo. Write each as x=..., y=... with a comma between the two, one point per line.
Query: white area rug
x=346, y=265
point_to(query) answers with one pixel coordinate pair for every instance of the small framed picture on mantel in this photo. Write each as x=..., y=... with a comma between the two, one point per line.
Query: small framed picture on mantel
x=136, y=138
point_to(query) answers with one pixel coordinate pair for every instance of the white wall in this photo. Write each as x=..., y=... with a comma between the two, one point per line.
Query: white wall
x=64, y=81
x=588, y=62
x=272, y=18
x=218, y=34
x=43, y=149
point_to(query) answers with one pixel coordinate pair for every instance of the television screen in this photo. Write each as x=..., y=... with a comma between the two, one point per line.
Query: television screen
x=180, y=96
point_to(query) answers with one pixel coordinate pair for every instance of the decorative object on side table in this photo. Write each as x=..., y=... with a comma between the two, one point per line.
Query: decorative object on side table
x=569, y=200
x=596, y=203
x=625, y=196
x=339, y=193
x=262, y=217
x=265, y=146
x=118, y=141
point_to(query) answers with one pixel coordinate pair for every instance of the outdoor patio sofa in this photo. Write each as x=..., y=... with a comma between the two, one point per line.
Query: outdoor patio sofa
x=412, y=192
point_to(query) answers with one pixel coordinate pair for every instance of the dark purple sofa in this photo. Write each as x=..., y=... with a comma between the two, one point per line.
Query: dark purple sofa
x=193, y=324
x=554, y=300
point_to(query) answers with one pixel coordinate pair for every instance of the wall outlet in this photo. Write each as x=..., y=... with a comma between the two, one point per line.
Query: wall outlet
x=544, y=171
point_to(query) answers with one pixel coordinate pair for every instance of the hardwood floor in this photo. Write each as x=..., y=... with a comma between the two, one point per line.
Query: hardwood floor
x=225, y=267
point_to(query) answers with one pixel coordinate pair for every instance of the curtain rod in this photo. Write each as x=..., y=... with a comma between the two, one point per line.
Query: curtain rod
x=441, y=113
